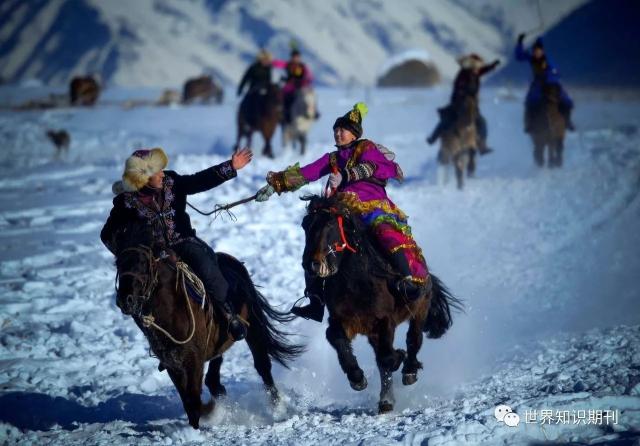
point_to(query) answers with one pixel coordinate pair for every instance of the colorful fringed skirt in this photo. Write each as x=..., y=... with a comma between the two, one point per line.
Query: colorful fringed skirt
x=389, y=226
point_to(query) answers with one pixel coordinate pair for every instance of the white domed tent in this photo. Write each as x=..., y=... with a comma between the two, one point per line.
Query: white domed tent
x=412, y=68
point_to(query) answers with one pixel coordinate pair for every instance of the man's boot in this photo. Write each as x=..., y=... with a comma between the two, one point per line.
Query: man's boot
x=314, y=310
x=237, y=328
x=483, y=149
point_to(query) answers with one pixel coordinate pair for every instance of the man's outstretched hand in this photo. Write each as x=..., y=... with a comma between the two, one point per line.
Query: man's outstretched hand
x=241, y=158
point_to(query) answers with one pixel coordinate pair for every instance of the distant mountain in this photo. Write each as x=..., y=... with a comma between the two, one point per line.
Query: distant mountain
x=595, y=45
x=161, y=42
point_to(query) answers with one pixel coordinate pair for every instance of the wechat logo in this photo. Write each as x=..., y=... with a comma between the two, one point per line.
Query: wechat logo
x=504, y=414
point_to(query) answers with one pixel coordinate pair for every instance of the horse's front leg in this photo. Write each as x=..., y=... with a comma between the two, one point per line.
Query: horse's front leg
x=414, y=343
x=188, y=382
x=339, y=340
x=388, y=360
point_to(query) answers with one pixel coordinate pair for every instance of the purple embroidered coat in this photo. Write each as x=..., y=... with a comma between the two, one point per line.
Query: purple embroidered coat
x=365, y=190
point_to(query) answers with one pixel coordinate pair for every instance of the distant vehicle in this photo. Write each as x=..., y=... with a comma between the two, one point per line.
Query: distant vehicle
x=84, y=90
x=203, y=89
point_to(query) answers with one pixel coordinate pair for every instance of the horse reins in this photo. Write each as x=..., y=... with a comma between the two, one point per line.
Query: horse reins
x=148, y=320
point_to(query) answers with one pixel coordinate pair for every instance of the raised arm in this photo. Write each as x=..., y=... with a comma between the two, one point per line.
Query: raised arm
x=521, y=53
x=489, y=67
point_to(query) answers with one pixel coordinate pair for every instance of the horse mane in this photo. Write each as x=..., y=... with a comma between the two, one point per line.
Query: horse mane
x=370, y=260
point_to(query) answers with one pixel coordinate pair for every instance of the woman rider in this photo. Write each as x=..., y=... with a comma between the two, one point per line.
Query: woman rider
x=149, y=194
x=363, y=169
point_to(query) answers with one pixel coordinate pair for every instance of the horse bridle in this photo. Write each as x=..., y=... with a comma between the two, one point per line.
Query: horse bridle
x=344, y=244
x=149, y=282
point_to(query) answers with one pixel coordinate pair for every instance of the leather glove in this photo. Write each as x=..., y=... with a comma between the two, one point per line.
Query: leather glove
x=264, y=193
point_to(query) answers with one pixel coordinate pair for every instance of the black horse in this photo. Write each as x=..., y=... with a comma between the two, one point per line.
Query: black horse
x=184, y=334
x=358, y=292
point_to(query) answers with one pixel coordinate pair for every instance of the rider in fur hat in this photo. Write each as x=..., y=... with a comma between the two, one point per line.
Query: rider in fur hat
x=359, y=170
x=467, y=83
x=158, y=197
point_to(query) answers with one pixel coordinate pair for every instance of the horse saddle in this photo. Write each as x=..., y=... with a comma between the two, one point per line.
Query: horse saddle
x=186, y=278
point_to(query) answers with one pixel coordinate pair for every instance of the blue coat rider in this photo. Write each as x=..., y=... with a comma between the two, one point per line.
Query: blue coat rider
x=544, y=72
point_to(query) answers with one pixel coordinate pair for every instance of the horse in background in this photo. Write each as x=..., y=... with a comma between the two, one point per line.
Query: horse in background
x=184, y=334
x=360, y=297
x=84, y=90
x=458, y=143
x=262, y=113
x=203, y=89
x=303, y=114
x=547, y=127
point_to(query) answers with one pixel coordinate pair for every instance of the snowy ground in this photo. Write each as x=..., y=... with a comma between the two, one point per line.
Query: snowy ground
x=546, y=261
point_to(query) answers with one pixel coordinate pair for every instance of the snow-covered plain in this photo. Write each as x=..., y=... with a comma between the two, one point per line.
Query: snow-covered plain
x=546, y=261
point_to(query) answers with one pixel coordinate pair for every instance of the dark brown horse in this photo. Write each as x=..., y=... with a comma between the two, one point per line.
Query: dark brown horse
x=203, y=89
x=183, y=334
x=260, y=111
x=84, y=90
x=548, y=127
x=358, y=294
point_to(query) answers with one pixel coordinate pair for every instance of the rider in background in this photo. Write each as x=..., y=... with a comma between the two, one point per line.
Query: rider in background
x=298, y=76
x=157, y=198
x=467, y=83
x=544, y=72
x=258, y=78
x=359, y=170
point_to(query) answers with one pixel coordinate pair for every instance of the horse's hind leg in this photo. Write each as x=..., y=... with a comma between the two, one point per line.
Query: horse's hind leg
x=212, y=380
x=388, y=360
x=303, y=143
x=262, y=362
x=338, y=340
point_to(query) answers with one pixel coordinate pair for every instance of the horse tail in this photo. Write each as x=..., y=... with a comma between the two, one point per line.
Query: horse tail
x=261, y=315
x=442, y=302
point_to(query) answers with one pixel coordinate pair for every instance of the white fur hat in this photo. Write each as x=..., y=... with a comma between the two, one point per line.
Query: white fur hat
x=471, y=61
x=139, y=167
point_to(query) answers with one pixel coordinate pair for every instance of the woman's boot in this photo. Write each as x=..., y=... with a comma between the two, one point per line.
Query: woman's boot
x=315, y=309
x=405, y=286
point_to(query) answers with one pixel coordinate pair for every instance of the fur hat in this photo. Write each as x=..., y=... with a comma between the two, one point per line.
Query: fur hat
x=352, y=120
x=139, y=167
x=471, y=62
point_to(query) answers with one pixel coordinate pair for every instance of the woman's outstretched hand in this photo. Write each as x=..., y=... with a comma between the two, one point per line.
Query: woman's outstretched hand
x=241, y=158
x=264, y=193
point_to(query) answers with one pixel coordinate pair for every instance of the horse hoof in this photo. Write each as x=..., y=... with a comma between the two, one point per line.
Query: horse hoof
x=206, y=409
x=401, y=355
x=195, y=423
x=385, y=407
x=409, y=378
x=361, y=385
x=274, y=396
x=219, y=392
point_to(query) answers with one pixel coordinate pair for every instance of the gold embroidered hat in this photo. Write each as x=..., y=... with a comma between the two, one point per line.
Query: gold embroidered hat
x=352, y=120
